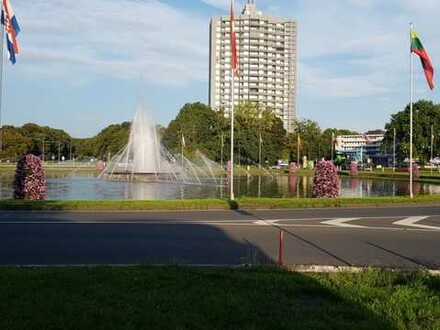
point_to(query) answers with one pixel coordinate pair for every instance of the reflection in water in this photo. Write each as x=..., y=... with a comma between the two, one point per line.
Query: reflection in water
x=90, y=188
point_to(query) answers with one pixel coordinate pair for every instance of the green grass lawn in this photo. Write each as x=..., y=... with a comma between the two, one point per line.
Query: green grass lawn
x=192, y=298
x=216, y=204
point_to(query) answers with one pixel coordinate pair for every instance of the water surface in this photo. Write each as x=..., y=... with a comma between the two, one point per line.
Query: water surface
x=83, y=187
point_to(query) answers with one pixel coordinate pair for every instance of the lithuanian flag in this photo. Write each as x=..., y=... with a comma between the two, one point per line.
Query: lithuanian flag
x=417, y=48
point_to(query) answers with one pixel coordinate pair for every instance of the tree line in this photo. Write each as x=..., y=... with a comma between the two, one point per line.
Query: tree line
x=426, y=131
x=199, y=128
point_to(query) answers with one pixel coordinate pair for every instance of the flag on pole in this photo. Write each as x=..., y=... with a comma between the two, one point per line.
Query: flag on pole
x=418, y=49
x=234, y=55
x=12, y=29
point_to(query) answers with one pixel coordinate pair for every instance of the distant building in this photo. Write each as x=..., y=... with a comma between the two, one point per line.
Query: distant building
x=361, y=146
x=267, y=61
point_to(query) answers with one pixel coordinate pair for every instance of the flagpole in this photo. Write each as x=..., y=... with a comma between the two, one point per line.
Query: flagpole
x=411, y=178
x=2, y=47
x=232, y=114
x=232, y=197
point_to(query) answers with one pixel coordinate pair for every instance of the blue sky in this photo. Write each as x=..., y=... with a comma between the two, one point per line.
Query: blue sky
x=88, y=63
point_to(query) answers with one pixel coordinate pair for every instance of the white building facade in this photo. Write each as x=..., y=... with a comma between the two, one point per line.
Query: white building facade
x=267, y=49
x=361, y=144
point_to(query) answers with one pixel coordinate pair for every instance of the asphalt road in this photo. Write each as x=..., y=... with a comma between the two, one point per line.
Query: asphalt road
x=406, y=237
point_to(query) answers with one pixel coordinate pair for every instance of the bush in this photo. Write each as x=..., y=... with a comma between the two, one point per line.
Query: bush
x=30, y=179
x=326, y=181
x=354, y=169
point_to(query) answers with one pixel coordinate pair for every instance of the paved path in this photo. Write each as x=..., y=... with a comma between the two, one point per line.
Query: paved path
x=393, y=237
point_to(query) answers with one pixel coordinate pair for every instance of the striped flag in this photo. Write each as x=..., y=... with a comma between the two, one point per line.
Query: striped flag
x=418, y=49
x=234, y=55
x=12, y=29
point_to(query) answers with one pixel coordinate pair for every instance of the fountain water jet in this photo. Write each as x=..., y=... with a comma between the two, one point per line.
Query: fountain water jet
x=144, y=158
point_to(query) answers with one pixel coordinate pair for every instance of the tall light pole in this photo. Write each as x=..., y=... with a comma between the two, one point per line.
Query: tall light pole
x=394, y=150
x=222, y=143
x=298, y=142
x=260, y=142
x=43, y=152
x=432, y=145
x=333, y=146
x=59, y=152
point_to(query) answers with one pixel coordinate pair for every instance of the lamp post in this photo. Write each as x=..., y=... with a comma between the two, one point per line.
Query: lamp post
x=394, y=150
x=333, y=146
x=260, y=142
x=432, y=145
x=43, y=151
x=222, y=145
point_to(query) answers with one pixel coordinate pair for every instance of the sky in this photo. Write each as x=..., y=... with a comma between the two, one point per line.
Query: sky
x=86, y=64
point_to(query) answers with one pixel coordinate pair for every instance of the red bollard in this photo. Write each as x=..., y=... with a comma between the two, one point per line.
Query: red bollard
x=281, y=250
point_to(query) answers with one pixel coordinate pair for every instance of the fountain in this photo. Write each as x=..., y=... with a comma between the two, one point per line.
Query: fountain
x=144, y=158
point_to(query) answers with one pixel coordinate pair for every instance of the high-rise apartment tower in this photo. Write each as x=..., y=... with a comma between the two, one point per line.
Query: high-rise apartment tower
x=267, y=48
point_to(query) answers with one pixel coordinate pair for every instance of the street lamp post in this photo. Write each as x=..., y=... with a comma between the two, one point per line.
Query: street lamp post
x=432, y=145
x=222, y=143
x=260, y=142
x=394, y=150
x=43, y=152
x=59, y=152
x=333, y=146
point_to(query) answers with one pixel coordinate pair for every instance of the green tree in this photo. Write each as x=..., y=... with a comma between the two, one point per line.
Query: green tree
x=426, y=114
x=14, y=144
x=251, y=120
x=198, y=124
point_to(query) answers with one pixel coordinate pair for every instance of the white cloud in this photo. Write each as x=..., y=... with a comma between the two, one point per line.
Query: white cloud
x=122, y=39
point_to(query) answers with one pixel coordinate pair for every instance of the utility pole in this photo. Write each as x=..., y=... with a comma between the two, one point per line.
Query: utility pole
x=297, y=149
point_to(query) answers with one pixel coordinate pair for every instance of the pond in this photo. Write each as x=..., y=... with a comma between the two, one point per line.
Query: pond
x=88, y=187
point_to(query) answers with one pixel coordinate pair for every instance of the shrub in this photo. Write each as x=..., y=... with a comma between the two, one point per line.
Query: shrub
x=354, y=169
x=30, y=179
x=326, y=181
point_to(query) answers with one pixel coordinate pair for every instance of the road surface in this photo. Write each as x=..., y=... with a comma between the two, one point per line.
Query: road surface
x=407, y=237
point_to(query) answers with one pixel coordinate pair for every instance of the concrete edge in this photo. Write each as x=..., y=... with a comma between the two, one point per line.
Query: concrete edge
x=207, y=210
x=304, y=269
x=322, y=269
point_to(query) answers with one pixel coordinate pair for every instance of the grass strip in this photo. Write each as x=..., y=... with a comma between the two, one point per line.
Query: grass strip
x=215, y=204
x=194, y=298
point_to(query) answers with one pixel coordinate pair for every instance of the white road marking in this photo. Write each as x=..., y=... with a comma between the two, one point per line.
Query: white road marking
x=413, y=222
x=339, y=223
x=265, y=222
x=342, y=222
